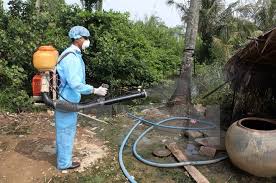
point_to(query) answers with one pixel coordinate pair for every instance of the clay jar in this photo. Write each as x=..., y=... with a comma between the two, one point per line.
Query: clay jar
x=251, y=145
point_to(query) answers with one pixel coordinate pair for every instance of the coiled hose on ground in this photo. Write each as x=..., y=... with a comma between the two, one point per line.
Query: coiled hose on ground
x=140, y=120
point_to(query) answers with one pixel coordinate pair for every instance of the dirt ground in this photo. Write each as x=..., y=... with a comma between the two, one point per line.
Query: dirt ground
x=27, y=153
x=27, y=148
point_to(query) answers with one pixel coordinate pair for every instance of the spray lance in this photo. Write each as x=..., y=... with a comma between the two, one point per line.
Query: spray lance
x=45, y=82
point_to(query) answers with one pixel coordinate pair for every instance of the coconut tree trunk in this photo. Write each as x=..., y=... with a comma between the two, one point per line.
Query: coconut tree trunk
x=1, y=7
x=99, y=5
x=91, y=5
x=37, y=5
x=182, y=94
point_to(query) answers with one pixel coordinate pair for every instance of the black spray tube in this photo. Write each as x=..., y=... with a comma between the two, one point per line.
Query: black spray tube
x=63, y=105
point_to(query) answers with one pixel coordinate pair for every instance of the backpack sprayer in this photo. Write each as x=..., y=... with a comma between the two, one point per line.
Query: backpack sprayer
x=44, y=84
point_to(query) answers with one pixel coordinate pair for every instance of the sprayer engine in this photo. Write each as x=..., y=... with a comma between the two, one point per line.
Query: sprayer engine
x=44, y=84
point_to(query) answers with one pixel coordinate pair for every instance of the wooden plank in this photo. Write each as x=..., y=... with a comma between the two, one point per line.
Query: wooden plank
x=195, y=173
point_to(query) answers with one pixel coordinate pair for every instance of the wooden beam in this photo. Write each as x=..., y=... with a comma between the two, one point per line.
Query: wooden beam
x=195, y=173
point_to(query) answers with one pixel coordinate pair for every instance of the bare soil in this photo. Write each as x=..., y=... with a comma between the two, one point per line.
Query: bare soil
x=27, y=148
x=27, y=152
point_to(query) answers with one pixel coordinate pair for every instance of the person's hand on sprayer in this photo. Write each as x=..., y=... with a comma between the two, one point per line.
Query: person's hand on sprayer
x=101, y=91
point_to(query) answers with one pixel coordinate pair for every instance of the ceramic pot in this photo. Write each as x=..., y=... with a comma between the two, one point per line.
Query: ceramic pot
x=251, y=145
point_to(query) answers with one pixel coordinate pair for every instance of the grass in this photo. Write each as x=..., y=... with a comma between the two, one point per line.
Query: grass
x=108, y=170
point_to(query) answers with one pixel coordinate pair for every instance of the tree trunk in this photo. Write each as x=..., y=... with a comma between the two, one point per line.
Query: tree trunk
x=1, y=7
x=37, y=5
x=182, y=94
x=91, y=5
x=99, y=5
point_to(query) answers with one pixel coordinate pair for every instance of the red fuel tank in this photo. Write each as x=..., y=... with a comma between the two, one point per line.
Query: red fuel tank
x=36, y=84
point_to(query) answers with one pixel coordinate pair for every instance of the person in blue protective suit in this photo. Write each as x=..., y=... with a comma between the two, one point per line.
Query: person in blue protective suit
x=71, y=70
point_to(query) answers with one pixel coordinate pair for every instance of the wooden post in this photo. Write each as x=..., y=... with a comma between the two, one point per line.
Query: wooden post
x=54, y=90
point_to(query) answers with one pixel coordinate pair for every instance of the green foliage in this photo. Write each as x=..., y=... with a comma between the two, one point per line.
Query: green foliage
x=12, y=94
x=123, y=53
x=221, y=23
x=221, y=32
x=262, y=12
x=208, y=78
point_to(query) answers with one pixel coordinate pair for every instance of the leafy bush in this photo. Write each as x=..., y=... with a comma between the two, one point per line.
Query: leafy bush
x=209, y=77
x=12, y=95
x=123, y=53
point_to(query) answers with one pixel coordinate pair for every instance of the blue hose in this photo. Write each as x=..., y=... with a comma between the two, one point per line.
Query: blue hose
x=209, y=125
x=128, y=176
x=139, y=121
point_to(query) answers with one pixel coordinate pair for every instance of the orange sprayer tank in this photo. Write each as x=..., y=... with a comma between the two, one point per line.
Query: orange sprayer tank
x=45, y=58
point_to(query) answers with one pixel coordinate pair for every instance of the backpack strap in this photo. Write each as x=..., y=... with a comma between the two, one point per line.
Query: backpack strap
x=61, y=58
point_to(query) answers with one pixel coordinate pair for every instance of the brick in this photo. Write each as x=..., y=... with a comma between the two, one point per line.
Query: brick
x=193, y=134
x=207, y=151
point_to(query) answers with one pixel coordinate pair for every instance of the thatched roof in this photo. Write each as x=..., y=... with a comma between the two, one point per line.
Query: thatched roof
x=254, y=66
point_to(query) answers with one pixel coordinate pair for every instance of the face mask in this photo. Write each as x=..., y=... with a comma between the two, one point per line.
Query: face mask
x=85, y=44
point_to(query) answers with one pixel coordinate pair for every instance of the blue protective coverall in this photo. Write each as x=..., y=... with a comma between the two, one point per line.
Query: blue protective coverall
x=72, y=75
